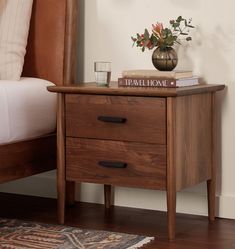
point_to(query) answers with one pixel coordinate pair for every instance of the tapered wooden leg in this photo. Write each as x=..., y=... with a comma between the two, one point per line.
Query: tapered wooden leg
x=212, y=182
x=108, y=196
x=171, y=213
x=70, y=193
x=61, y=199
x=211, y=199
x=60, y=159
x=171, y=178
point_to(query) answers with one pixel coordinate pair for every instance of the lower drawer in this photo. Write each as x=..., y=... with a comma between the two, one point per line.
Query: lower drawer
x=118, y=163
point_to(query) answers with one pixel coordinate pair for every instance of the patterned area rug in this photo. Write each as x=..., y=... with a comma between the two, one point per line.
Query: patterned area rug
x=16, y=234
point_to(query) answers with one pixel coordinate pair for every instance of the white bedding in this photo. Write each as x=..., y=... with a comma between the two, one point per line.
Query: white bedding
x=27, y=109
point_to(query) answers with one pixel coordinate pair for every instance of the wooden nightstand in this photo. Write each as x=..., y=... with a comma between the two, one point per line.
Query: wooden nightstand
x=158, y=138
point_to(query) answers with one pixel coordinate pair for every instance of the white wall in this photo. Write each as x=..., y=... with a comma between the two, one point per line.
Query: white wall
x=106, y=28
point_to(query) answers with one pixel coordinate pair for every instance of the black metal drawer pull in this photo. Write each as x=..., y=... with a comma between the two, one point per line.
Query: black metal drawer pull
x=112, y=119
x=112, y=164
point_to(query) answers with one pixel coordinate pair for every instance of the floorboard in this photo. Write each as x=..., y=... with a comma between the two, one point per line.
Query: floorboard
x=193, y=232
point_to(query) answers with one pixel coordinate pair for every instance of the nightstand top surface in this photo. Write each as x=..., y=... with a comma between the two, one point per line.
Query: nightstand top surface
x=113, y=89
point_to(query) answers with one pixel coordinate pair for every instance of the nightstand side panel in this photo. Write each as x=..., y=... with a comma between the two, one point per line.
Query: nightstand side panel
x=193, y=139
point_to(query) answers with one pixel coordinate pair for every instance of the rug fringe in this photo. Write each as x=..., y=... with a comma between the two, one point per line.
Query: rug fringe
x=141, y=243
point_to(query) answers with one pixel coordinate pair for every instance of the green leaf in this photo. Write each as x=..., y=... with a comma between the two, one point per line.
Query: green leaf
x=170, y=41
x=146, y=34
x=179, y=19
x=154, y=40
x=166, y=32
x=176, y=25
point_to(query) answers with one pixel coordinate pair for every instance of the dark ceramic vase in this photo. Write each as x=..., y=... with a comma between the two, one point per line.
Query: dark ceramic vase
x=165, y=59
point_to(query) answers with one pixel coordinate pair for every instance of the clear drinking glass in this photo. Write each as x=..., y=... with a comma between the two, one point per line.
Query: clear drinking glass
x=102, y=73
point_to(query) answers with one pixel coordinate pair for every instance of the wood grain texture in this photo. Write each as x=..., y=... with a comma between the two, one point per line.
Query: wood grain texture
x=193, y=146
x=146, y=163
x=113, y=89
x=145, y=118
x=166, y=143
x=26, y=158
x=70, y=66
x=171, y=170
x=61, y=184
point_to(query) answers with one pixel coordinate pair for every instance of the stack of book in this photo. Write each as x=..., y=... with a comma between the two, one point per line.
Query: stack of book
x=155, y=78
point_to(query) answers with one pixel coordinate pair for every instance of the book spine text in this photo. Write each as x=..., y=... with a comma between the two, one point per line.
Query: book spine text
x=146, y=82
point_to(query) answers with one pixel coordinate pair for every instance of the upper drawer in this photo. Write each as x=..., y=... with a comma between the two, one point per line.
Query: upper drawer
x=140, y=119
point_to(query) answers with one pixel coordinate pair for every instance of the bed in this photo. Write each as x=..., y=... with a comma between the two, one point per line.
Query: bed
x=51, y=55
x=27, y=109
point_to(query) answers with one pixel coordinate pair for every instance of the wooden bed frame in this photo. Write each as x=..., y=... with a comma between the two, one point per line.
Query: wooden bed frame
x=51, y=55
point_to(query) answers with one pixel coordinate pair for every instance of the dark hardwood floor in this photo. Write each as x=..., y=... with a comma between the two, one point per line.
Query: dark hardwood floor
x=193, y=232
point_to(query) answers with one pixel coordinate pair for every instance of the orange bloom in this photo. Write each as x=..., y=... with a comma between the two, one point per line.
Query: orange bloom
x=157, y=28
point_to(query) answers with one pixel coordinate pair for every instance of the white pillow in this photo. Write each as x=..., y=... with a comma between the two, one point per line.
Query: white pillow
x=14, y=27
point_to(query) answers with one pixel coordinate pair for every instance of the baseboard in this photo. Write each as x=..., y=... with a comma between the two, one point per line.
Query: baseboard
x=191, y=201
x=187, y=202
x=226, y=206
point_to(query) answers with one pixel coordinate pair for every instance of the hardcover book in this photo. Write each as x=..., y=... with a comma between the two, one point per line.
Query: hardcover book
x=155, y=73
x=157, y=82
